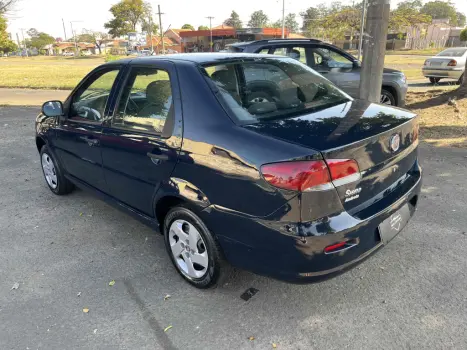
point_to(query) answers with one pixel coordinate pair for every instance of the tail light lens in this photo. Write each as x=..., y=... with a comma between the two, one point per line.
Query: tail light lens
x=311, y=175
x=452, y=63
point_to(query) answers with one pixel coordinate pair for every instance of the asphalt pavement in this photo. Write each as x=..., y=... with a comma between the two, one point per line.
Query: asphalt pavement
x=62, y=252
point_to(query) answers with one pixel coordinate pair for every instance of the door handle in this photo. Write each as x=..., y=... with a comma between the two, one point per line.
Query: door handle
x=158, y=156
x=91, y=141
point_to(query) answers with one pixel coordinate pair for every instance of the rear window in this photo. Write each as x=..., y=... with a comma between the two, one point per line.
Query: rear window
x=452, y=53
x=234, y=49
x=254, y=89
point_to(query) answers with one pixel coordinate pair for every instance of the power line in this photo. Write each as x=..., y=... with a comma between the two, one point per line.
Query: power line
x=210, y=29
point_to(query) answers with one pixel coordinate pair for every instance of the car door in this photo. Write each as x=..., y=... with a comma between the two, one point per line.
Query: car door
x=78, y=135
x=138, y=149
x=337, y=67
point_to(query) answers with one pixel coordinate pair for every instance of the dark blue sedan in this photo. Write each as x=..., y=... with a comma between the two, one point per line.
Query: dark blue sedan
x=254, y=160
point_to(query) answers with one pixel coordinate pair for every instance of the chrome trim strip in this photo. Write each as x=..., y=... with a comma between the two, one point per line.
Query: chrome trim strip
x=348, y=179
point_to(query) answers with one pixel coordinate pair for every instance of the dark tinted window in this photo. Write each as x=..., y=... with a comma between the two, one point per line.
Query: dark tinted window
x=89, y=103
x=146, y=102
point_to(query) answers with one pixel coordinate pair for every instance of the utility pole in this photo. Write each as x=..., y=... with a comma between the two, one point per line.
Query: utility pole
x=24, y=42
x=74, y=37
x=362, y=27
x=17, y=39
x=374, y=48
x=210, y=29
x=64, y=31
x=160, y=27
x=150, y=33
x=283, y=19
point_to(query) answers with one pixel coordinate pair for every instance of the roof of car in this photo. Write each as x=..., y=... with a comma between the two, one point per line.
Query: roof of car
x=200, y=58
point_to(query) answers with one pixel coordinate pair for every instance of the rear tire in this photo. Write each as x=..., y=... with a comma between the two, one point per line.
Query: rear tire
x=53, y=173
x=192, y=248
x=387, y=98
x=434, y=80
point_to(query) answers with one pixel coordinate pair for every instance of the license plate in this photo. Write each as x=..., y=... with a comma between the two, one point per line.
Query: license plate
x=435, y=64
x=394, y=224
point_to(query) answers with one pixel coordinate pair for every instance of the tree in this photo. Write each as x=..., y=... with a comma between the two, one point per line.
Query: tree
x=203, y=28
x=6, y=45
x=463, y=35
x=407, y=16
x=38, y=40
x=127, y=14
x=309, y=17
x=188, y=26
x=258, y=19
x=440, y=9
x=97, y=38
x=460, y=19
x=410, y=4
x=6, y=5
x=291, y=23
x=233, y=20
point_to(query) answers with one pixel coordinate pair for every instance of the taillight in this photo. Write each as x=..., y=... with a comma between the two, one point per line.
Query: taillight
x=312, y=175
x=452, y=63
x=427, y=63
x=297, y=176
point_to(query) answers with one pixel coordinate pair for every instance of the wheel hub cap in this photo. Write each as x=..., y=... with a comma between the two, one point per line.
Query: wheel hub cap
x=385, y=100
x=188, y=249
x=48, y=168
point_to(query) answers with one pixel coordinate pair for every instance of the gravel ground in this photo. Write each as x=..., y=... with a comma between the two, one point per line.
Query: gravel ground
x=64, y=251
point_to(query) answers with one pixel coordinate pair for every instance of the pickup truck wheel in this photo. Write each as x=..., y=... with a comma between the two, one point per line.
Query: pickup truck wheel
x=387, y=98
x=435, y=80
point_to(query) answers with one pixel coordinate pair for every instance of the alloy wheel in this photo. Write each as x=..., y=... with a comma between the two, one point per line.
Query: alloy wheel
x=385, y=100
x=188, y=249
x=48, y=168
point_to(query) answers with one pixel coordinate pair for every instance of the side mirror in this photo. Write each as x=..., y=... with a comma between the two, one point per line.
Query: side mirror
x=357, y=64
x=52, y=109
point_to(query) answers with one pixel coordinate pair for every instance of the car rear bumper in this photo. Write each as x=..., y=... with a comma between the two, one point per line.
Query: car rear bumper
x=294, y=252
x=453, y=73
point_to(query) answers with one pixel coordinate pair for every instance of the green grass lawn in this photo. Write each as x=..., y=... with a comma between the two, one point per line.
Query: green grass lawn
x=43, y=72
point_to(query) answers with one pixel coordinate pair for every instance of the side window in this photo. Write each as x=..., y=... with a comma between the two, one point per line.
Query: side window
x=331, y=59
x=264, y=51
x=146, y=101
x=297, y=53
x=89, y=103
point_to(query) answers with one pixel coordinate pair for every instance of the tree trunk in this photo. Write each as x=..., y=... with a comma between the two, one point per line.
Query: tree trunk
x=99, y=48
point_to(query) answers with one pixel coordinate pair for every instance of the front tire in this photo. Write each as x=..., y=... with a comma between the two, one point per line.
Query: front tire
x=192, y=248
x=53, y=174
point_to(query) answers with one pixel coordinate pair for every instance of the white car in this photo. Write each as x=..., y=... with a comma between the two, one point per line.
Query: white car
x=68, y=53
x=449, y=64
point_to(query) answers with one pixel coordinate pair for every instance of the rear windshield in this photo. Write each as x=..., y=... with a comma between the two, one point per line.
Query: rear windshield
x=253, y=89
x=452, y=53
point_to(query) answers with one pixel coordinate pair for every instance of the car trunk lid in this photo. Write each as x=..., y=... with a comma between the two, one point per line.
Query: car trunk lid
x=361, y=131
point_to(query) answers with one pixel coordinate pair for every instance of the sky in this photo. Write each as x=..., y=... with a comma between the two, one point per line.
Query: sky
x=46, y=15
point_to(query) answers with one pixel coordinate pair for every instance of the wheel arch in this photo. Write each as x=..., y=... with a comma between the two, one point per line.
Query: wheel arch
x=40, y=142
x=178, y=192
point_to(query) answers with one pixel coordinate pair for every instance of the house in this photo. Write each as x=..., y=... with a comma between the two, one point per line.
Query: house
x=65, y=47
